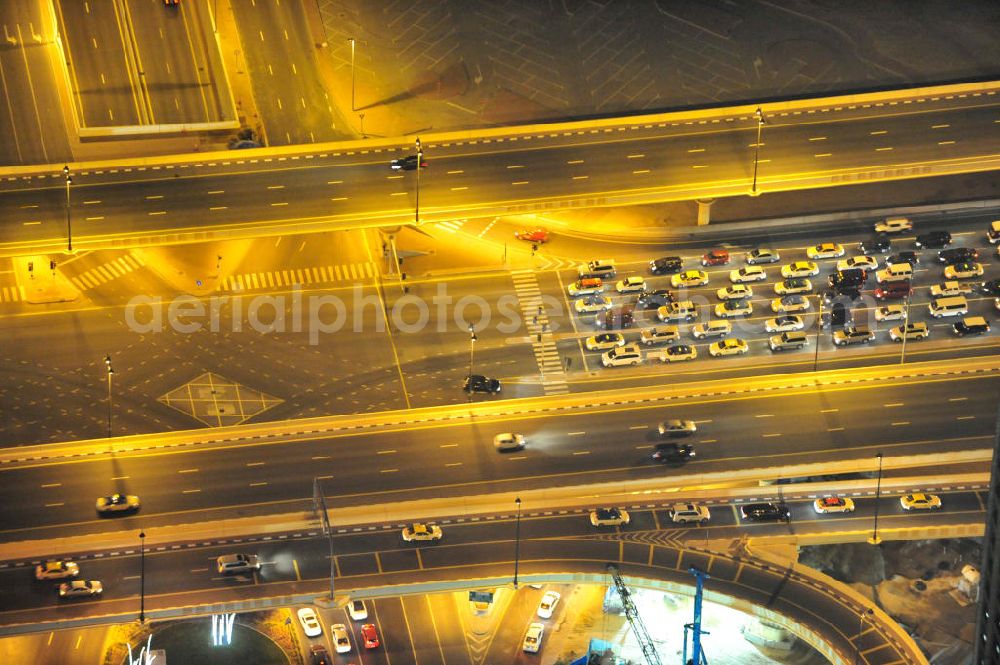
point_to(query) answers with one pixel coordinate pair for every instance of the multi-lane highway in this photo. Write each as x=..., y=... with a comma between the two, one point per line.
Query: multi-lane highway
x=590, y=443
x=530, y=168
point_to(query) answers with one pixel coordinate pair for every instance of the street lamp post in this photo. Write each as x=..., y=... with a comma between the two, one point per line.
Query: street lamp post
x=420, y=160
x=142, y=577
x=819, y=331
x=904, y=330
x=353, y=107
x=472, y=346
x=111, y=373
x=69, y=226
x=517, y=539
x=862, y=616
x=759, y=114
x=875, y=540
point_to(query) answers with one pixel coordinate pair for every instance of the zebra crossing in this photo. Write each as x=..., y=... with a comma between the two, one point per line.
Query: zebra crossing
x=451, y=226
x=536, y=321
x=346, y=272
x=11, y=293
x=103, y=274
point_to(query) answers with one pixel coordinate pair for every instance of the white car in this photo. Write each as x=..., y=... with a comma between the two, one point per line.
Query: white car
x=686, y=513
x=310, y=622
x=56, y=570
x=894, y=225
x=341, y=641
x=592, y=304
x=677, y=353
x=547, y=605
x=863, y=262
x=825, y=250
x=604, y=341
x=792, y=286
x=890, y=313
x=689, y=278
x=747, y=274
x=633, y=284
x=117, y=503
x=800, y=269
x=711, y=329
x=622, y=356
x=508, y=441
x=784, y=324
x=420, y=532
x=833, y=504
x=735, y=292
x=608, y=517
x=950, y=289
x=358, y=610
x=80, y=589
x=677, y=427
x=912, y=331
x=659, y=335
x=731, y=308
x=920, y=501
x=533, y=638
x=963, y=270
x=728, y=347
x=789, y=304
x=761, y=255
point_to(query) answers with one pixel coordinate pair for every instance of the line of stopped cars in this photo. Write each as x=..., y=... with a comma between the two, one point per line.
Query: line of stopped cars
x=795, y=304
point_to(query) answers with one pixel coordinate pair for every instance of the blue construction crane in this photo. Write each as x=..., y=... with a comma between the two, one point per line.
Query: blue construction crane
x=694, y=628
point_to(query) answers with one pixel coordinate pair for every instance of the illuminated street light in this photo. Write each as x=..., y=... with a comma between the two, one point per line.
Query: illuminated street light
x=353, y=107
x=420, y=160
x=904, y=330
x=517, y=539
x=111, y=372
x=759, y=114
x=69, y=226
x=875, y=540
x=472, y=346
x=142, y=577
x=868, y=614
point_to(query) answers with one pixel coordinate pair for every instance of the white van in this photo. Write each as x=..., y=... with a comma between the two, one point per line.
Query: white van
x=993, y=233
x=893, y=272
x=232, y=564
x=953, y=306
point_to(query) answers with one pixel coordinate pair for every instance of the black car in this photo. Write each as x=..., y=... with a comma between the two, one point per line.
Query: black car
x=877, y=245
x=655, y=299
x=320, y=656
x=666, y=265
x=477, y=383
x=903, y=257
x=616, y=318
x=673, y=452
x=957, y=255
x=852, y=278
x=839, y=315
x=765, y=512
x=408, y=163
x=845, y=295
x=933, y=240
x=971, y=325
x=990, y=287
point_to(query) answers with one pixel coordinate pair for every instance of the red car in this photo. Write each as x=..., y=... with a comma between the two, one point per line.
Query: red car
x=533, y=235
x=715, y=257
x=370, y=636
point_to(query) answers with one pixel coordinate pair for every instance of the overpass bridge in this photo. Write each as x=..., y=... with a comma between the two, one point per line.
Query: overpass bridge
x=686, y=155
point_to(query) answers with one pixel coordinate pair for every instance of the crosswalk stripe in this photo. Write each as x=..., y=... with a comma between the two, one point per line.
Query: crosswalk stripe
x=253, y=280
x=322, y=271
x=369, y=270
x=239, y=279
x=336, y=270
x=125, y=265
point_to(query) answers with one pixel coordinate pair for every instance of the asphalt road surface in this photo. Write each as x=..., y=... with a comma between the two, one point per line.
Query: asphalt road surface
x=640, y=164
